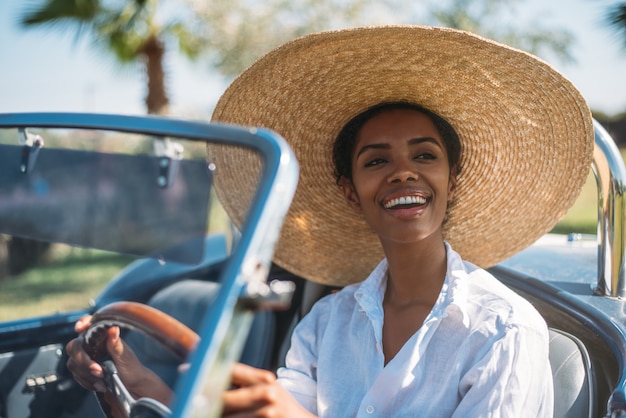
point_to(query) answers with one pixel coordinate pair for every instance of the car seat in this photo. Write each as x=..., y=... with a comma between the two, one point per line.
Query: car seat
x=573, y=376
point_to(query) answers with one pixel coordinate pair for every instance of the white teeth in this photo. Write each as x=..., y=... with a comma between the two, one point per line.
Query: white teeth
x=405, y=200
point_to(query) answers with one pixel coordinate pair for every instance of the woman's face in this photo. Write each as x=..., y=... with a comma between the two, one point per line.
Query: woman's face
x=401, y=178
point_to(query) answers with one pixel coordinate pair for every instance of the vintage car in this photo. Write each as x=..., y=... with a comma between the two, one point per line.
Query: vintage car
x=117, y=216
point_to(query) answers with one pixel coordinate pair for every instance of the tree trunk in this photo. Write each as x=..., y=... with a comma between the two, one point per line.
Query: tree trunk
x=4, y=257
x=24, y=254
x=157, y=102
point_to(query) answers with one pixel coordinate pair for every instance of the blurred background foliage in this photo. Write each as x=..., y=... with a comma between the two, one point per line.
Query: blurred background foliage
x=228, y=35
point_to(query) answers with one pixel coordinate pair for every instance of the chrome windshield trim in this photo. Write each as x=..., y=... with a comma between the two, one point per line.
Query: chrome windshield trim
x=610, y=172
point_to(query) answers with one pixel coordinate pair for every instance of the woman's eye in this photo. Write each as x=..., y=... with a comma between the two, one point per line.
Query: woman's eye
x=374, y=162
x=426, y=156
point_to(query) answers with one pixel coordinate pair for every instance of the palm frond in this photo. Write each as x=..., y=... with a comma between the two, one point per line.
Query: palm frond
x=616, y=17
x=57, y=11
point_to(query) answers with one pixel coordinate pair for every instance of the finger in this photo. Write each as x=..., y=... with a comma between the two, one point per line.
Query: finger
x=128, y=365
x=85, y=368
x=243, y=400
x=86, y=372
x=89, y=382
x=115, y=346
x=120, y=352
x=244, y=375
x=80, y=360
x=82, y=324
x=86, y=377
x=183, y=368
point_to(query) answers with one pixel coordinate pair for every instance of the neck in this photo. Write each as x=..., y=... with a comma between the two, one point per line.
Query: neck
x=416, y=271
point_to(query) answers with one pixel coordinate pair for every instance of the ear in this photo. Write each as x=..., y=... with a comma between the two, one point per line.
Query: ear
x=349, y=192
x=452, y=185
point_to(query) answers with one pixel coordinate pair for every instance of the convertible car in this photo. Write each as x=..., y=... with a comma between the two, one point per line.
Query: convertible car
x=117, y=217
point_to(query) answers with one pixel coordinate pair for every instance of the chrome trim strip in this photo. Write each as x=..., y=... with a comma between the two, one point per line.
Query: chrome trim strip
x=610, y=172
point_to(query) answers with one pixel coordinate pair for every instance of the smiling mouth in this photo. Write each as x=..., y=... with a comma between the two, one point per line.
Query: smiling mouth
x=405, y=202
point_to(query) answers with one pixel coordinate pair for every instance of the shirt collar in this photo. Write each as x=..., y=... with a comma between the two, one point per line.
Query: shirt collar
x=369, y=293
x=457, y=286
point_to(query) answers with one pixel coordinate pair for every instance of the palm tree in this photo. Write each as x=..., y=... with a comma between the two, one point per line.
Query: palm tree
x=236, y=32
x=130, y=30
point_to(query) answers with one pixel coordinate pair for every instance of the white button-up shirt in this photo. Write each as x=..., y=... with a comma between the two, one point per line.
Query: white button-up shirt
x=481, y=352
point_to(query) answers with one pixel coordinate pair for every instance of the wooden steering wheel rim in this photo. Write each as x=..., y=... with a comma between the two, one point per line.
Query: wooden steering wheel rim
x=132, y=315
x=136, y=316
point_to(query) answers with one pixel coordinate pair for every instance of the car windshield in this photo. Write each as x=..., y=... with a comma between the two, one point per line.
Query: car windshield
x=116, y=199
x=101, y=209
x=79, y=203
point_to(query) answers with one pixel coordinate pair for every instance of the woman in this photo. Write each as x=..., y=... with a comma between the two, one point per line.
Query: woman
x=422, y=332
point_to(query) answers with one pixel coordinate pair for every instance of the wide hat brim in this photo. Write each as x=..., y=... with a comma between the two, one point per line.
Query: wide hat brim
x=526, y=132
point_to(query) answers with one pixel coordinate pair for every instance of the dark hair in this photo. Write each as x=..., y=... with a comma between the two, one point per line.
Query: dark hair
x=343, y=148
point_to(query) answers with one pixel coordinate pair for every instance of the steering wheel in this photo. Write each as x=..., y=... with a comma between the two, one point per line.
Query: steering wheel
x=171, y=333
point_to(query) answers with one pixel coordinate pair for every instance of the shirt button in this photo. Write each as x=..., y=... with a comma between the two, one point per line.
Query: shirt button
x=369, y=409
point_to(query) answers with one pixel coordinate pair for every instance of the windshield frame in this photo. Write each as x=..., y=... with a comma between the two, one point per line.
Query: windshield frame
x=224, y=324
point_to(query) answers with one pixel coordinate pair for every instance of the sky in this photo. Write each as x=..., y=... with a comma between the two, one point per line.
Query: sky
x=42, y=70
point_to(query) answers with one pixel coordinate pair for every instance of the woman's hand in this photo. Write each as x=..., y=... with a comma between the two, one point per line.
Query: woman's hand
x=258, y=394
x=139, y=380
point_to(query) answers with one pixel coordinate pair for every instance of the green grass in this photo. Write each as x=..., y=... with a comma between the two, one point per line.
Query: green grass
x=70, y=277
x=583, y=215
x=66, y=280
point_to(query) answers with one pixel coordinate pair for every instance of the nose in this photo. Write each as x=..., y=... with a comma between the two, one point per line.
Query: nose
x=402, y=172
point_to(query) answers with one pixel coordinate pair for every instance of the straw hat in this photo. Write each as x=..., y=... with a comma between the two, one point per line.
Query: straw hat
x=526, y=132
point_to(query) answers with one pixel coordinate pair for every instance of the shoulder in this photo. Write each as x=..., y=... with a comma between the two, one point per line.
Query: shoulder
x=485, y=300
x=489, y=294
x=343, y=299
x=326, y=313
x=364, y=293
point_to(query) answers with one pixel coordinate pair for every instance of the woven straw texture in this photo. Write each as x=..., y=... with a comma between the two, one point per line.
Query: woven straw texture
x=526, y=132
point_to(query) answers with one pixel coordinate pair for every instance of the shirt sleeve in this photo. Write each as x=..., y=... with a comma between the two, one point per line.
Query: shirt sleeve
x=513, y=379
x=299, y=376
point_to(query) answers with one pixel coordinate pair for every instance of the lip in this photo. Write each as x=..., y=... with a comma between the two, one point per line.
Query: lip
x=392, y=201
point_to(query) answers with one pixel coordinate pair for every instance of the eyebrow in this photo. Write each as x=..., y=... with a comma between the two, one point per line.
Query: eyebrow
x=385, y=145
